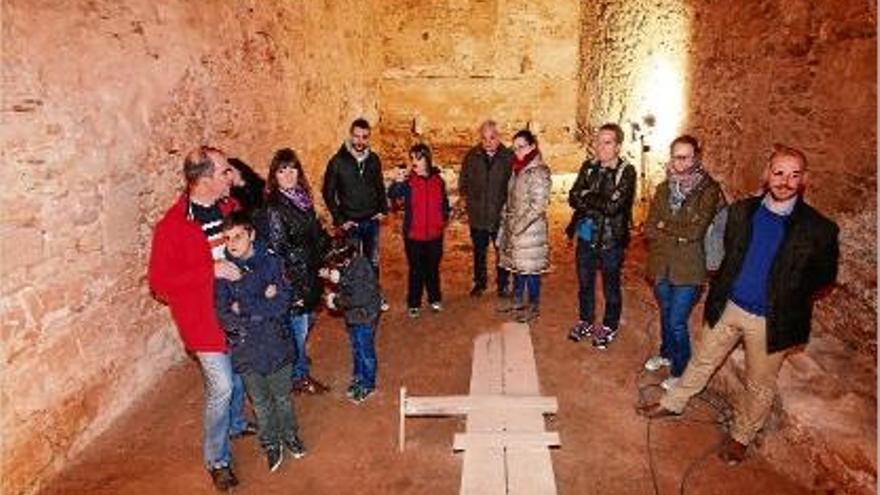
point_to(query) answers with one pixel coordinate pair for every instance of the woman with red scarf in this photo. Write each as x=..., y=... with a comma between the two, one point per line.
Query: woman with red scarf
x=523, y=238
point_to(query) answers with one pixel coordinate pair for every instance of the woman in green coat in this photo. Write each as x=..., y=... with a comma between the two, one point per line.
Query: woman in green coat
x=681, y=211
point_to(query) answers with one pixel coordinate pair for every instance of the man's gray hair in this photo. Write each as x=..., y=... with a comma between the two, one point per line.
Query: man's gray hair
x=198, y=164
x=487, y=125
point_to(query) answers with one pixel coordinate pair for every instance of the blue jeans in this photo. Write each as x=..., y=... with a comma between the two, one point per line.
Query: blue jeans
x=299, y=329
x=367, y=233
x=588, y=258
x=363, y=354
x=676, y=303
x=224, y=399
x=481, y=240
x=530, y=283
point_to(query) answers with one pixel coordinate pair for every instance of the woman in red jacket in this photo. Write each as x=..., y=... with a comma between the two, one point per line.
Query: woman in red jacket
x=426, y=211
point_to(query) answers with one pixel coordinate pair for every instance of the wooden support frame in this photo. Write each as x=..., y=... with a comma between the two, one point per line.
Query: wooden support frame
x=459, y=405
x=505, y=444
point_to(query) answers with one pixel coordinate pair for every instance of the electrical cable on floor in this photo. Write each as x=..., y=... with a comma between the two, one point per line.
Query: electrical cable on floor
x=717, y=403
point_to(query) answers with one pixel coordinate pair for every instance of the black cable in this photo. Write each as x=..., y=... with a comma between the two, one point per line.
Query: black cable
x=717, y=403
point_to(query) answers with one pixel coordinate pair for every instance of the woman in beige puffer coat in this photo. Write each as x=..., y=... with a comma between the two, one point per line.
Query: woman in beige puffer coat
x=523, y=240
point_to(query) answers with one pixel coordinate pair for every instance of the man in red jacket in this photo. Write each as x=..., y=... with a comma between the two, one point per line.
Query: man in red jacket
x=186, y=256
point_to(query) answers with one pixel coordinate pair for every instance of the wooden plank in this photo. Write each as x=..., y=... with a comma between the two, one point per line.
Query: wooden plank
x=453, y=405
x=529, y=470
x=483, y=470
x=539, y=440
x=520, y=372
x=486, y=367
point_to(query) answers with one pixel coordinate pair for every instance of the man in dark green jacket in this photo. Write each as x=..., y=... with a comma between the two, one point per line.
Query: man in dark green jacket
x=482, y=184
x=779, y=253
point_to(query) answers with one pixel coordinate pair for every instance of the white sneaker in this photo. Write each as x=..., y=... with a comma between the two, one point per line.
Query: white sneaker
x=657, y=362
x=436, y=307
x=384, y=307
x=670, y=382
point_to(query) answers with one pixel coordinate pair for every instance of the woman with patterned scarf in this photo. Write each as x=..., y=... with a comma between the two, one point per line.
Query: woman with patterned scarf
x=294, y=232
x=681, y=210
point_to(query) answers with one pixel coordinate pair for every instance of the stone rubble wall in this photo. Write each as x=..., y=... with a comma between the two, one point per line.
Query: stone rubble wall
x=101, y=100
x=755, y=73
x=448, y=65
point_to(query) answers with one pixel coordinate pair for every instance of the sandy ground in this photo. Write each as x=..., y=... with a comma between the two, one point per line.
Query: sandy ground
x=156, y=448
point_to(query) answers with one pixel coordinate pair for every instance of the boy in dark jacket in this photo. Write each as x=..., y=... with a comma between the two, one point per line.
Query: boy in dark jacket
x=357, y=295
x=253, y=312
x=426, y=211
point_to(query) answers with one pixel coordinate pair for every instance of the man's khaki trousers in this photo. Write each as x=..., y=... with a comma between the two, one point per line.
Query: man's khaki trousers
x=761, y=370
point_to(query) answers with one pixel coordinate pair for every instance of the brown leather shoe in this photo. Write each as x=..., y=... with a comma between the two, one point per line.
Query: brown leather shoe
x=732, y=452
x=653, y=410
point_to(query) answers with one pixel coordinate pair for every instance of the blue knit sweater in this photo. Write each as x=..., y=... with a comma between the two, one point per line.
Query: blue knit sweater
x=750, y=288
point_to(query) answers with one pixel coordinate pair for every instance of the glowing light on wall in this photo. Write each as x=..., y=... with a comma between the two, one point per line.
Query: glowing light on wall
x=661, y=95
x=654, y=101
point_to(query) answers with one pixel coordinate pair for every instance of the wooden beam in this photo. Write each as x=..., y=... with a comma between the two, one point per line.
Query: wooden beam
x=529, y=470
x=506, y=439
x=483, y=470
x=456, y=405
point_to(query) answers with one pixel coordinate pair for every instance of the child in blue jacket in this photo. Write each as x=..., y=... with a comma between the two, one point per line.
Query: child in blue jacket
x=253, y=312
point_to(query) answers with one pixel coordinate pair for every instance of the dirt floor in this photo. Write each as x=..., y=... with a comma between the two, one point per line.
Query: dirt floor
x=606, y=447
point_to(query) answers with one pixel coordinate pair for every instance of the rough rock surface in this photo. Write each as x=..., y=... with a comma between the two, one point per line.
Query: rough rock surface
x=100, y=101
x=750, y=74
x=450, y=64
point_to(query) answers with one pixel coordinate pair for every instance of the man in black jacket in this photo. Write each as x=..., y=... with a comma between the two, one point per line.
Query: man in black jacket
x=354, y=190
x=602, y=199
x=779, y=253
x=482, y=184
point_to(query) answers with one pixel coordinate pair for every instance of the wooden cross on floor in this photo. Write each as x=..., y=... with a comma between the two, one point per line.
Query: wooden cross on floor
x=505, y=445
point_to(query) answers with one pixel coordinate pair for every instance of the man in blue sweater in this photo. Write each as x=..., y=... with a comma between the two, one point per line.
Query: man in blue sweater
x=779, y=253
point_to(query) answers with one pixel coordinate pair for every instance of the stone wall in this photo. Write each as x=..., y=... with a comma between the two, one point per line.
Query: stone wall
x=802, y=73
x=450, y=64
x=742, y=76
x=101, y=99
x=633, y=69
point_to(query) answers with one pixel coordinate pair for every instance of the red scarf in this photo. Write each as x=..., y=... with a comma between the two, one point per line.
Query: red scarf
x=518, y=164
